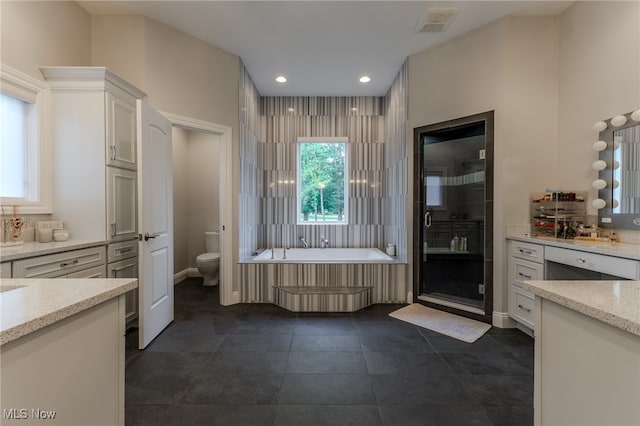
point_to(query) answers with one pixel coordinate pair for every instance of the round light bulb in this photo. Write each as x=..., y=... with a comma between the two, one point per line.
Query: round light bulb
x=598, y=203
x=615, y=184
x=599, y=126
x=618, y=120
x=635, y=115
x=599, y=146
x=614, y=203
x=281, y=79
x=599, y=184
x=599, y=165
x=365, y=79
x=615, y=165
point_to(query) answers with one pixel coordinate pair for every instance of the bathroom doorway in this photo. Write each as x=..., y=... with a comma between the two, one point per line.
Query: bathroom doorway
x=453, y=213
x=203, y=133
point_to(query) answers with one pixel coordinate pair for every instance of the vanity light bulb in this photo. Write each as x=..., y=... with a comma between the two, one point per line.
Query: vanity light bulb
x=618, y=120
x=614, y=203
x=599, y=146
x=615, y=184
x=599, y=126
x=599, y=165
x=598, y=203
x=615, y=165
x=635, y=115
x=599, y=184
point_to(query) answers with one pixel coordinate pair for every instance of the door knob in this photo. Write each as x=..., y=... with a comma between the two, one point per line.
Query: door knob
x=148, y=236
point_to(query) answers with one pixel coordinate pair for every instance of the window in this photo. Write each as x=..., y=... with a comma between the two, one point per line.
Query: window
x=322, y=183
x=24, y=176
x=435, y=184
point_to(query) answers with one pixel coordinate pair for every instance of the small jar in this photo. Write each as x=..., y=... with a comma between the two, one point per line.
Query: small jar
x=391, y=249
x=60, y=235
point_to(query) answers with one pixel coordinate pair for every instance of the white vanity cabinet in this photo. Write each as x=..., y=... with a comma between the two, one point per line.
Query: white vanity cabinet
x=121, y=204
x=83, y=263
x=94, y=130
x=121, y=132
x=526, y=263
x=5, y=270
x=123, y=263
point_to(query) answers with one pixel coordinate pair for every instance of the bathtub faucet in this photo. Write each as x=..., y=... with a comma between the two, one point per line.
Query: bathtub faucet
x=304, y=242
x=324, y=243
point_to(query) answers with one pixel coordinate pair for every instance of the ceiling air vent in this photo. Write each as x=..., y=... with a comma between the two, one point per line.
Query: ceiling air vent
x=436, y=19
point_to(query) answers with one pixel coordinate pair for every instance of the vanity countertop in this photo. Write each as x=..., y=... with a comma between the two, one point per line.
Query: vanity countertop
x=33, y=249
x=629, y=251
x=27, y=305
x=613, y=302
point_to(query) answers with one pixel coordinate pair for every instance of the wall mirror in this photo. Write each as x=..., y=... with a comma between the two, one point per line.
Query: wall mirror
x=618, y=181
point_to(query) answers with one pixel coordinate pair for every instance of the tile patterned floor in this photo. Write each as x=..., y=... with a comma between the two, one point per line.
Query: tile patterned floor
x=262, y=365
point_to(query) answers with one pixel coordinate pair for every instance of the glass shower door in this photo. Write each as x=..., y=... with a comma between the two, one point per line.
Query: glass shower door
x=453, y=205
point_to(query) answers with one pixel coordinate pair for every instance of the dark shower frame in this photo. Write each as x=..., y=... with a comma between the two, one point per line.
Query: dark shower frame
x=418, y=173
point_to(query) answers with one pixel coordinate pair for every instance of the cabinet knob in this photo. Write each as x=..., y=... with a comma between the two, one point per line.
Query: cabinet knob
x=524, y=309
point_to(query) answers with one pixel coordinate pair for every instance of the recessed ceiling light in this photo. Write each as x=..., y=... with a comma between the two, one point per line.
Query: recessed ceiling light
x=365, y=79
x=281, y=79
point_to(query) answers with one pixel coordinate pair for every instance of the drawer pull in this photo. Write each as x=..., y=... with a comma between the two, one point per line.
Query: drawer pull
x=527, y=252
x=67, y=264
x=113, y=152
x=125, y=250
x=524, y=309
x=525, y=275
x=581, y=260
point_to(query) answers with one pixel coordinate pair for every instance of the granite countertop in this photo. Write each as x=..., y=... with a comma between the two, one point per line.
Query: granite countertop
x=33, y=249
x=28, y=305
x=613, y=302
x=628, y=251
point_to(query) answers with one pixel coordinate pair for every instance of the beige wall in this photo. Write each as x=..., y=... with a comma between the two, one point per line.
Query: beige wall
x=599, y=78
x=509, y=66
x=53, y=33
x=180, y=139
x=117, y=42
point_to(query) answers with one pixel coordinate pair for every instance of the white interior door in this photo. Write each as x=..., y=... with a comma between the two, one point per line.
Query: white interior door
x=155, y=194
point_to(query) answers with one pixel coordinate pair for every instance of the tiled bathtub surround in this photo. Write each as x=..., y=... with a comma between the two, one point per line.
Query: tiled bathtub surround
x=283, y=120
x=376, y=131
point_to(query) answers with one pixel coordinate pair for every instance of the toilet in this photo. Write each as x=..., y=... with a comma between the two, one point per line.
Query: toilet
x=209, y=262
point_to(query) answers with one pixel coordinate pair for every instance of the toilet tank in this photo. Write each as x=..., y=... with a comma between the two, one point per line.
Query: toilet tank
x=212, y=241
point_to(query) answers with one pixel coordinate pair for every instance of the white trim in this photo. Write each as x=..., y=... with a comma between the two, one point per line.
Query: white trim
x=180, y=276
x=227, y=295
x=502, y=320
x=35, y=92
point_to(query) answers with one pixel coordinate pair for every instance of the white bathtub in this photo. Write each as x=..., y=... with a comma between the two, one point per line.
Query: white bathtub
x=328, y=255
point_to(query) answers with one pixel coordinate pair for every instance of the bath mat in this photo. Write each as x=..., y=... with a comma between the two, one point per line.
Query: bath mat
x=455, y=326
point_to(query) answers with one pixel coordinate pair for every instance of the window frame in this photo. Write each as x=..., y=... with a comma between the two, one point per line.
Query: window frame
x=38, y=199
x=329, y=139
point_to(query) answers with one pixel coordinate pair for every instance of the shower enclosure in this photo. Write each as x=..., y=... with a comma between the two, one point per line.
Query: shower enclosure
x=453, y=215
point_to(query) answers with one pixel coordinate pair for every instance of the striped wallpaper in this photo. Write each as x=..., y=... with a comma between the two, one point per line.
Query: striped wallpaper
x=376, y=131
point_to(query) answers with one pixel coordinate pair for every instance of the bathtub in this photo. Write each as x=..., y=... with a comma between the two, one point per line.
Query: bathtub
x=328, y=255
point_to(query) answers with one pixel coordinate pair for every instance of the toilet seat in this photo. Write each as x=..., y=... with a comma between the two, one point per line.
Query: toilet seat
x=208, y=257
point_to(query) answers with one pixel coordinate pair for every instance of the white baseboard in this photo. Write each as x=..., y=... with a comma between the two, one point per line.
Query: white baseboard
x=502, y=320
x=410, y=297
x=184, y=274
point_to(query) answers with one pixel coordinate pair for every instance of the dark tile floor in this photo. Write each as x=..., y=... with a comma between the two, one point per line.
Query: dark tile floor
x=263, y=365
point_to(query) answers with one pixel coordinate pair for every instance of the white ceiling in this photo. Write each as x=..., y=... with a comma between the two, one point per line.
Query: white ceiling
x=323, y=47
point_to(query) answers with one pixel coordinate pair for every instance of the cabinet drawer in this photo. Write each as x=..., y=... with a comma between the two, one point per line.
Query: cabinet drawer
x=5, y=270
x=524, y=270
x=95, y=272
x=122, y=250
x=528, y=251
x=616, y=266
x=59, y=264
x=522, y=307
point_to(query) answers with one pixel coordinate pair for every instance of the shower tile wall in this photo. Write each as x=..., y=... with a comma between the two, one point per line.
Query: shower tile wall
x=361, y=120
x=395, y=161
x=249, y=201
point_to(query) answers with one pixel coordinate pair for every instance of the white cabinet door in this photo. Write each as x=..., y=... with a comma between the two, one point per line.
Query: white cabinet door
x=121, y=132
x=121, y=204
x=126, y=269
